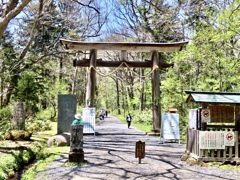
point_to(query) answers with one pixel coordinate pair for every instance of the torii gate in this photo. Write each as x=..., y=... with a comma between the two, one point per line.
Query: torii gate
x=154, y=48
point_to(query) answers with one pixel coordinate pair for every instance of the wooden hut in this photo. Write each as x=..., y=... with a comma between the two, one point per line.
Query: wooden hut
x=212, y=133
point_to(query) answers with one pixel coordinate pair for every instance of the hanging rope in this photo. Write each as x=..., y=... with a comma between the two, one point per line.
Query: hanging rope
x=123, y=63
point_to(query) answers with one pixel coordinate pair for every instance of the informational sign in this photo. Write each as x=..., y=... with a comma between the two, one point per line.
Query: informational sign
x=229, y=138
x=211, y=139
x=206, y=115
x=88, y=115
x=192, y=118
x=170, y=126
x=216, y=139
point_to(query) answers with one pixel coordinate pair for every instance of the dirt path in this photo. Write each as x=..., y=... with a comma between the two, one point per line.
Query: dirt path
x=111, y=156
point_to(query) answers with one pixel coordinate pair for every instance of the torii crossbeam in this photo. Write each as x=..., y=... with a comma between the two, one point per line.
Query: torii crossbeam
x=124, y=47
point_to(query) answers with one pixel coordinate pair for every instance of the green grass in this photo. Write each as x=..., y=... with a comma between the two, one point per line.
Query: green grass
x=45, y=135
x=143, y=127
x=42, y=164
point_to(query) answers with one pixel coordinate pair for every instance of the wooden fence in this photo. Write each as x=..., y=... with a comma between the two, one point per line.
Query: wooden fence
x=229, y=153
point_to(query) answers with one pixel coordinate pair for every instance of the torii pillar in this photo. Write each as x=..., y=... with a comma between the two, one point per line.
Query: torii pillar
x=156, y=92
x=90, y=98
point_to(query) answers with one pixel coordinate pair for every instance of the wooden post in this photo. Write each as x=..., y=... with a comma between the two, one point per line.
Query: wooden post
x=155, y=92
x=90, y=102
x=124, y=55
x=140, y=151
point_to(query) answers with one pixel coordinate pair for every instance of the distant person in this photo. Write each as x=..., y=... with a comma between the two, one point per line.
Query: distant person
x=101, y=116
x=78, y=120
x=106, y=113
x=129, y=120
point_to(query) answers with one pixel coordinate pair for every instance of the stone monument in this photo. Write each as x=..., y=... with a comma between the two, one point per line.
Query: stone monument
x=76, y=153
x=67, y=107
x=19, y=116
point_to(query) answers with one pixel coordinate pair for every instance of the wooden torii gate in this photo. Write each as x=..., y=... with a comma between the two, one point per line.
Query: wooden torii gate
x=93, y=62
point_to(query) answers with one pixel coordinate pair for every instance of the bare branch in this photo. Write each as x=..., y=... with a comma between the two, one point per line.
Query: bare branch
x=87, y=5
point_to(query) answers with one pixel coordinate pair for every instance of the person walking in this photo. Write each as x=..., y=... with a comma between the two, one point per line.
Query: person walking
x=129, y=119
x=78, y=120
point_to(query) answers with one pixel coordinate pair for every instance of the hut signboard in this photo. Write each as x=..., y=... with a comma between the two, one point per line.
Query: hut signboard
x=211, y=140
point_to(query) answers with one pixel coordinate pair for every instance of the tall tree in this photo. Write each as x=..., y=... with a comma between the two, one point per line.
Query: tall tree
x=41, y=26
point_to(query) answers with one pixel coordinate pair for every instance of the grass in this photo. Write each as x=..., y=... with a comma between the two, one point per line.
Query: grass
x=145, y=128
x=142, y=127
x=45, y=135
x=42, y=164
x=21, y=153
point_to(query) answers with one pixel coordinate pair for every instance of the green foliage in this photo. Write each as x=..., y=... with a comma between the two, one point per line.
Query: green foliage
x=5, y=120
x=3, y=176
x=46, y=114
x=144, y=118
x=27, y=90
x=12, y=162
x=6, y=113
x=44, y=160
x=36, y=125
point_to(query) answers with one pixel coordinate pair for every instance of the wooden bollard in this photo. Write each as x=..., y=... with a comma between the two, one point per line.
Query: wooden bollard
x=140, y=150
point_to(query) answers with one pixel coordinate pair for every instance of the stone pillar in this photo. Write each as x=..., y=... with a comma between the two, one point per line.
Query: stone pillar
x=76, y=153
x=19, y=116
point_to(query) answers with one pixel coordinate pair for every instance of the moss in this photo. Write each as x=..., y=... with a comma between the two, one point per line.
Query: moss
x=18, y=135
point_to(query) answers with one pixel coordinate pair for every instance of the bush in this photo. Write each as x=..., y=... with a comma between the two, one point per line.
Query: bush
x=144, y=118
x=6, y=113
x=47, y=114
x=5, y=120
x=38, y=125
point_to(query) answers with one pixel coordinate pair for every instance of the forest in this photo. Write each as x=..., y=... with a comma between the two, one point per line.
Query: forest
x=35, y=68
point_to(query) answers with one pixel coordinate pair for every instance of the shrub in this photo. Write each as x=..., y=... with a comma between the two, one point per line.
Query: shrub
x=144, y=118
x=38, y=125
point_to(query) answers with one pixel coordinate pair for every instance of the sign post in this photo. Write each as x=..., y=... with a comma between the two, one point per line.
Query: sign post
x=140, y=150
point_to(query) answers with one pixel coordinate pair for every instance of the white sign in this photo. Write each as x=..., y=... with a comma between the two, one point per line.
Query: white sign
x=88, y=115
x=206, y=115
x=170, y=126
x=192, y=118
x=229, y=138
x=211, y=139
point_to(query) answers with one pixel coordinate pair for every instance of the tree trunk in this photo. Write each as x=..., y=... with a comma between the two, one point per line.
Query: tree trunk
x=74, y=83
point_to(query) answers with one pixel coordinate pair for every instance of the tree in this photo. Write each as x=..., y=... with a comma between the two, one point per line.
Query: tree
x=40, y=27
x=8, y=11
x=27, y=90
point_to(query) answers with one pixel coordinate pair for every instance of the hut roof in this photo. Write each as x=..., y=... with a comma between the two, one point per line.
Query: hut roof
x=213, y=97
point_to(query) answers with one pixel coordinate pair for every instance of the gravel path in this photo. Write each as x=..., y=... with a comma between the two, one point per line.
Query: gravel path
x=111, y=156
